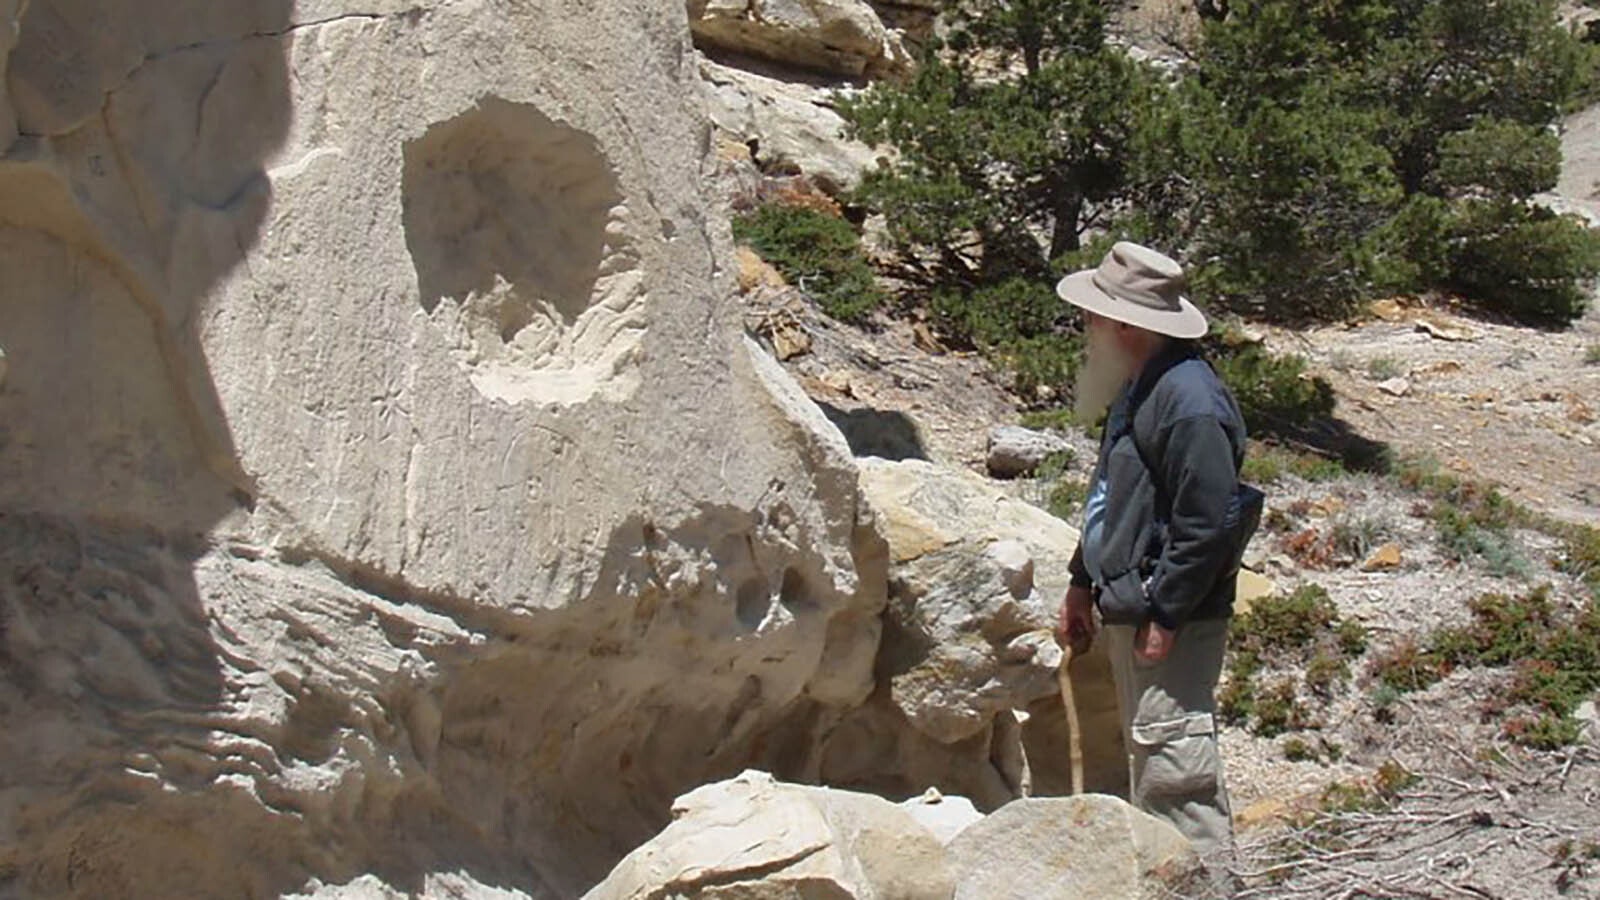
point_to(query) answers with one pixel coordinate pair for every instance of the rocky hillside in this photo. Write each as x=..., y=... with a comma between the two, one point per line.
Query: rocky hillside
x=1488, y=409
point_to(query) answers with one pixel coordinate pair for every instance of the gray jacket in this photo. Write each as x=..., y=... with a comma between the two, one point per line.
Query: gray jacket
x=1168, y=551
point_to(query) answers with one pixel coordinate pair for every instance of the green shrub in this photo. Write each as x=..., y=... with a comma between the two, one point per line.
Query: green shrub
x=817, y=252
x=1555, y=659
x=1326, y=671
x=1472, y=521
x=1060, y=418
x=1302, y=632
x=995, y=315
x=1289, y=622
x=1464, y=539
x=1066, y=499
x=1049, y=360
x=1278, y=709
x=1406, y=667
x=1297, y=750
x=1321, y=152
x=1543, y=732
x=1580, y=551
x=1503, y=631
x=1055, y=465
x=1498, y=157
x=1383, y=368
x=1524, y=260
x=1274, y=392
x=1266, y=463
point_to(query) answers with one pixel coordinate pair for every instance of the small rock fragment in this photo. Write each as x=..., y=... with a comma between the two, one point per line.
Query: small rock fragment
x=790, y=341
x=1443, y=329
x=1395, y=387
x=1015, y=565
x=755, y=272
x=1383, y=559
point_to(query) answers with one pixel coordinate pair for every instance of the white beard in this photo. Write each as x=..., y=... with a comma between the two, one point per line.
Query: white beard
x=1105, y=371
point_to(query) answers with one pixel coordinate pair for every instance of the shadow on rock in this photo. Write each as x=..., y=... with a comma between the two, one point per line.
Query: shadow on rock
x=886, y=434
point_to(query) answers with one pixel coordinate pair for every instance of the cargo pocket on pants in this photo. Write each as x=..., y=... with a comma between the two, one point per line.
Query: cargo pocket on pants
x=1181, y=761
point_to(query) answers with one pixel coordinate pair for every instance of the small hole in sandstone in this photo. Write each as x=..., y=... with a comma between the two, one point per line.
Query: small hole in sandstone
x=751, y=603
x=795, y=595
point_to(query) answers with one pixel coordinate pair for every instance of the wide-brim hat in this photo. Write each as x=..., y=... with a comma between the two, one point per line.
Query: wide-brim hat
x=1138, y=286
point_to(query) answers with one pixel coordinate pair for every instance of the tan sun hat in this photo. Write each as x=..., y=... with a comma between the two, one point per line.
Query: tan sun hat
x=1139, y=286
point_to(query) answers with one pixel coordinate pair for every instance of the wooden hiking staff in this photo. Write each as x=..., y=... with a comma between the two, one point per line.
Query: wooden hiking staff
x=1074, y=737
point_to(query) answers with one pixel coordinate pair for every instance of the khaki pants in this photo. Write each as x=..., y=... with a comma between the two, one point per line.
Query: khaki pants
x=1169, y=724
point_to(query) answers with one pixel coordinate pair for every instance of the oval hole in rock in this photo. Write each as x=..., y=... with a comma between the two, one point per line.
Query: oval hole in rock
x=751, y=603
x=795, y=595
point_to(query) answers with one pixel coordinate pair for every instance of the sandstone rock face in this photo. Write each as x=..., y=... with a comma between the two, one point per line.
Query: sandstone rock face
x=791, y=125
x=754, y=839
x=1090, y=846
x=843, y=37
x=968, y=700
x=385, y=486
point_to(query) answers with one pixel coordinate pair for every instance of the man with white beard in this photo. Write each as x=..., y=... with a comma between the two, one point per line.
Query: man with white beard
x=1163, y=531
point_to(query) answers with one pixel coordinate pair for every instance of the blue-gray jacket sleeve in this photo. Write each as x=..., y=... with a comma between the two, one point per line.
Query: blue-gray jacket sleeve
x=1198, y=475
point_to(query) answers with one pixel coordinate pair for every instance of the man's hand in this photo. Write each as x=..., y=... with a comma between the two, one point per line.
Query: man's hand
x=1152, y=643
x=1075, y=627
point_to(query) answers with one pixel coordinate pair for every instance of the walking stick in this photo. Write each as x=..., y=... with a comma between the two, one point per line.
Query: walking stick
x=1074, y=737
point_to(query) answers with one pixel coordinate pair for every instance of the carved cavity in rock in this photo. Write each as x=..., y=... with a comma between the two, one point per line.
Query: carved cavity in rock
x=517, y=229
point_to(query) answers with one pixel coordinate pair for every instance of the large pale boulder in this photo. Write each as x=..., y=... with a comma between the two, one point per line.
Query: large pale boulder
x=386, y=485
x=970, y=701
x=843, y=37
x=789, y=125
x=1086, y=847
x=752, y=838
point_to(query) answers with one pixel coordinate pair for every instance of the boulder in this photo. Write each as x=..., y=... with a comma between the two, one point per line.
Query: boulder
x=791, y=126
x=424, y=505
x=1072, y=848
x=970, y=702
x=752, y=838
x=840, y=37
x=1015, y=451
